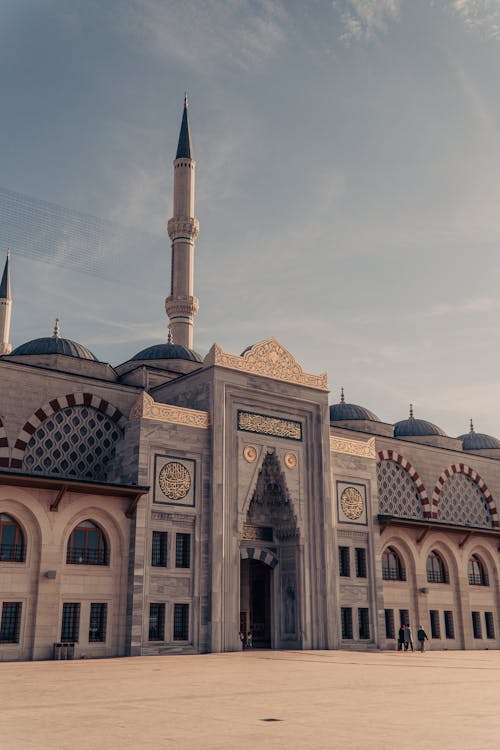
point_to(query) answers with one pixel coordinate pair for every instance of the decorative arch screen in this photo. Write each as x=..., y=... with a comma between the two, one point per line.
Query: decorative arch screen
x=461, y=501
x=78, y=441
x=398, y=495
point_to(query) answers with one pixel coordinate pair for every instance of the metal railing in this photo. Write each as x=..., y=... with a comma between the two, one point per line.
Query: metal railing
x=12, y=552
x=86, y=556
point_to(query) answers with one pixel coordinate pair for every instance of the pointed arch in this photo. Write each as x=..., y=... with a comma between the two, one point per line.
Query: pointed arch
x=4, y=446
x=474, y=477
x=271, y=498
x=261, y=554
x=390, y=455
x=53, y=406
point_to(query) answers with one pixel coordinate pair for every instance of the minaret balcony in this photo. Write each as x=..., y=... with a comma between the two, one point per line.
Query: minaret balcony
x=183, y=227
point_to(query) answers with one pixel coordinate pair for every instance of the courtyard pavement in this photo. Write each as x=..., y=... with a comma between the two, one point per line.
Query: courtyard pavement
x=255, y=699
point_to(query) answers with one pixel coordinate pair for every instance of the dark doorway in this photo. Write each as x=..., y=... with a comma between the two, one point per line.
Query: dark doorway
x=260, y=603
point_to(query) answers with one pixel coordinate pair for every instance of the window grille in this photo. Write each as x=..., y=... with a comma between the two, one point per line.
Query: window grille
x=404, y=616
x=156, y=622
x=344, y=562
x=159, y=549
x=392, y=566
x=70, y=626
x=11, y=540
x=476, y=572
x=436, y=569
x=361, y=569
x=346, y=618
x=390, y=631
x=182, y=550
x=87, y=545
x=461, y=501
x=97, y=624
x=364, y=623
x=397, y=491
x=490, y=625
x=435, y=625
x=476, y=624
x=449, y=627
x=11, y=622
x=181, y=622
x=78, y=441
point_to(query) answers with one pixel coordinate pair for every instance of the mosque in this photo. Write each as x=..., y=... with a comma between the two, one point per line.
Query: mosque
x=172, y=502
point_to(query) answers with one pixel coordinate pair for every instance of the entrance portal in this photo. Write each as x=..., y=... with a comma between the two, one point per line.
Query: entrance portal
x=255, y=602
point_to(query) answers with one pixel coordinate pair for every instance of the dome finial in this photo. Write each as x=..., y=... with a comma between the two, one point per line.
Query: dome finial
x=56, y=333
x=411, y=411
x=186, y=99
x=471, y=427
x=170, y=339
x=342, y=400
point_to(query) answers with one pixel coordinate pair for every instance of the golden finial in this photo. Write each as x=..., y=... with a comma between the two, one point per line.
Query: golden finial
x=471, y=427
x=411, y=411
x=342, y=400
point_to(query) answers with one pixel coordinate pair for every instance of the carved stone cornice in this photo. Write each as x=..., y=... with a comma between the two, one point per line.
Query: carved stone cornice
x=147, y=408
x=268, y=359
x=183, y=226
x=365, y=449
x=183, y=307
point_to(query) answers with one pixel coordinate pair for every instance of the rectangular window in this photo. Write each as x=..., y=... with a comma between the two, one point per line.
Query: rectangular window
x=346, y=617
x=181, y=622
x=390, y=631
x=11, y=622
x=183, y=550
x=156, y=622
x=70, y=627
x=435, y=626
x=364, y=623
x=159, y=549
x=344, y=562
x=360, y=562
x=404, y=617
x=476, y=625
x=449, y=627
x=97, y=623
x=490, y=626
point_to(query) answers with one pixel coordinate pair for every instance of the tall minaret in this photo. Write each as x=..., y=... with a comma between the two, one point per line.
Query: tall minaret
x=5, y=308
x=183, y=228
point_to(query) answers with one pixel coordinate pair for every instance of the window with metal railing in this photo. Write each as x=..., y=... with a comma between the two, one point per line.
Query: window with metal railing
x=159, y=549
x=476, y=572
x=344, y=562
x=436, y=569
x=183, y=550
x=361, y=567
x=392, y=566
x=390, y=631
x=156, y=622
x=449, y=627
x=181, y=622
x=97, y=622
x=11, y=622
x=435, y=624
x=364, y=623
x=476, y=625
x=12, y=548
x=490, y=625
x=70, y=625
x=346, y=621
x=87, y=545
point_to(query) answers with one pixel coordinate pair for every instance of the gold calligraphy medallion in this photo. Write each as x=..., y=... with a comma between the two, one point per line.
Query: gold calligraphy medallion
x=174, y=480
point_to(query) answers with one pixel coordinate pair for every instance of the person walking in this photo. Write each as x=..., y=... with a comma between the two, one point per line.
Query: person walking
x=401, y=637
x=422, y=638
x=407, y=637
x=249, y=639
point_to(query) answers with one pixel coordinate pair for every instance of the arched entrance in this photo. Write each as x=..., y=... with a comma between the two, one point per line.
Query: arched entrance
x=269, y=568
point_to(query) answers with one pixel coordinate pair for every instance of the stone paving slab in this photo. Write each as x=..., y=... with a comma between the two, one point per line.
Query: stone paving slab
x=322, y=699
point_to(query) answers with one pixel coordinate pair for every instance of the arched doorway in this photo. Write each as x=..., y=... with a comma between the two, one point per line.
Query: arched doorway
x=269, y=568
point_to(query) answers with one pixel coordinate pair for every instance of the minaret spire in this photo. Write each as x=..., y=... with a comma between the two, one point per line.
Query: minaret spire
x=5, y=308
x=181, y=305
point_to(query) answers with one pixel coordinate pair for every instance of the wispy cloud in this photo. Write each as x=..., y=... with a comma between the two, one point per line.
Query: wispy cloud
x=365, y=19
x=473, y=305
x=479, y=15
x=205, y=35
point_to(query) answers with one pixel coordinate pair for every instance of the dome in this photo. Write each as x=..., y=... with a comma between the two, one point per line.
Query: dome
x=343, y=411
x=54, y=345
x=167, y=351
x=416, y=427
x=478, y=441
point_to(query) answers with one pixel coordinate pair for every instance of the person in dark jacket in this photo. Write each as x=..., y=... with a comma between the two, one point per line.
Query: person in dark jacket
x=408, y=638
x=422, y=638
x=401, y=638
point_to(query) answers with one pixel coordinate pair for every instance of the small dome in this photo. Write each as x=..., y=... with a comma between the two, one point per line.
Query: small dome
x=478, y=441
x=167, y=351
x=416, y=427
x=53, y=345
x=343, y=411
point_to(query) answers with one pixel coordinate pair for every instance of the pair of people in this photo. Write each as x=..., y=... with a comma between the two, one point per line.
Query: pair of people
x=246, y=640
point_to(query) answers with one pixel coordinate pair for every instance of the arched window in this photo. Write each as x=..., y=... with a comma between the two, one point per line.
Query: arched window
x=436, y=569
x=11, y=540
x=477, y=572
x=87, y=545
x=392, y=566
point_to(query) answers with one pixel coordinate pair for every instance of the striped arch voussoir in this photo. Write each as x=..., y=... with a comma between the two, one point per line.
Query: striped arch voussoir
x=53, y=406
x=391, y=455
x=259, y=553
x=4, y=447
x=474, y=476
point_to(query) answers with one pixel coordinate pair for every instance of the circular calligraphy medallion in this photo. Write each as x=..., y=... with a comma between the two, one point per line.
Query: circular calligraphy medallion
x=351, y=502
x=290, y=460
x=250, y=453
x=174, y=480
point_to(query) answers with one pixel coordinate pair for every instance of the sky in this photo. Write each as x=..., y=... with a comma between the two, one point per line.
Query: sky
x=348, y=185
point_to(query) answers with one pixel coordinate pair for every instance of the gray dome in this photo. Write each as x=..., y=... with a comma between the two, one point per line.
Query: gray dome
x=416, y=428
x=54, y=345
x=167, y=351
x=343, y=411
x=478, y=441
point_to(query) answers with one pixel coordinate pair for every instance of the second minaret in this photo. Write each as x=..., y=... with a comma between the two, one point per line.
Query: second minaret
x=183, y=228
